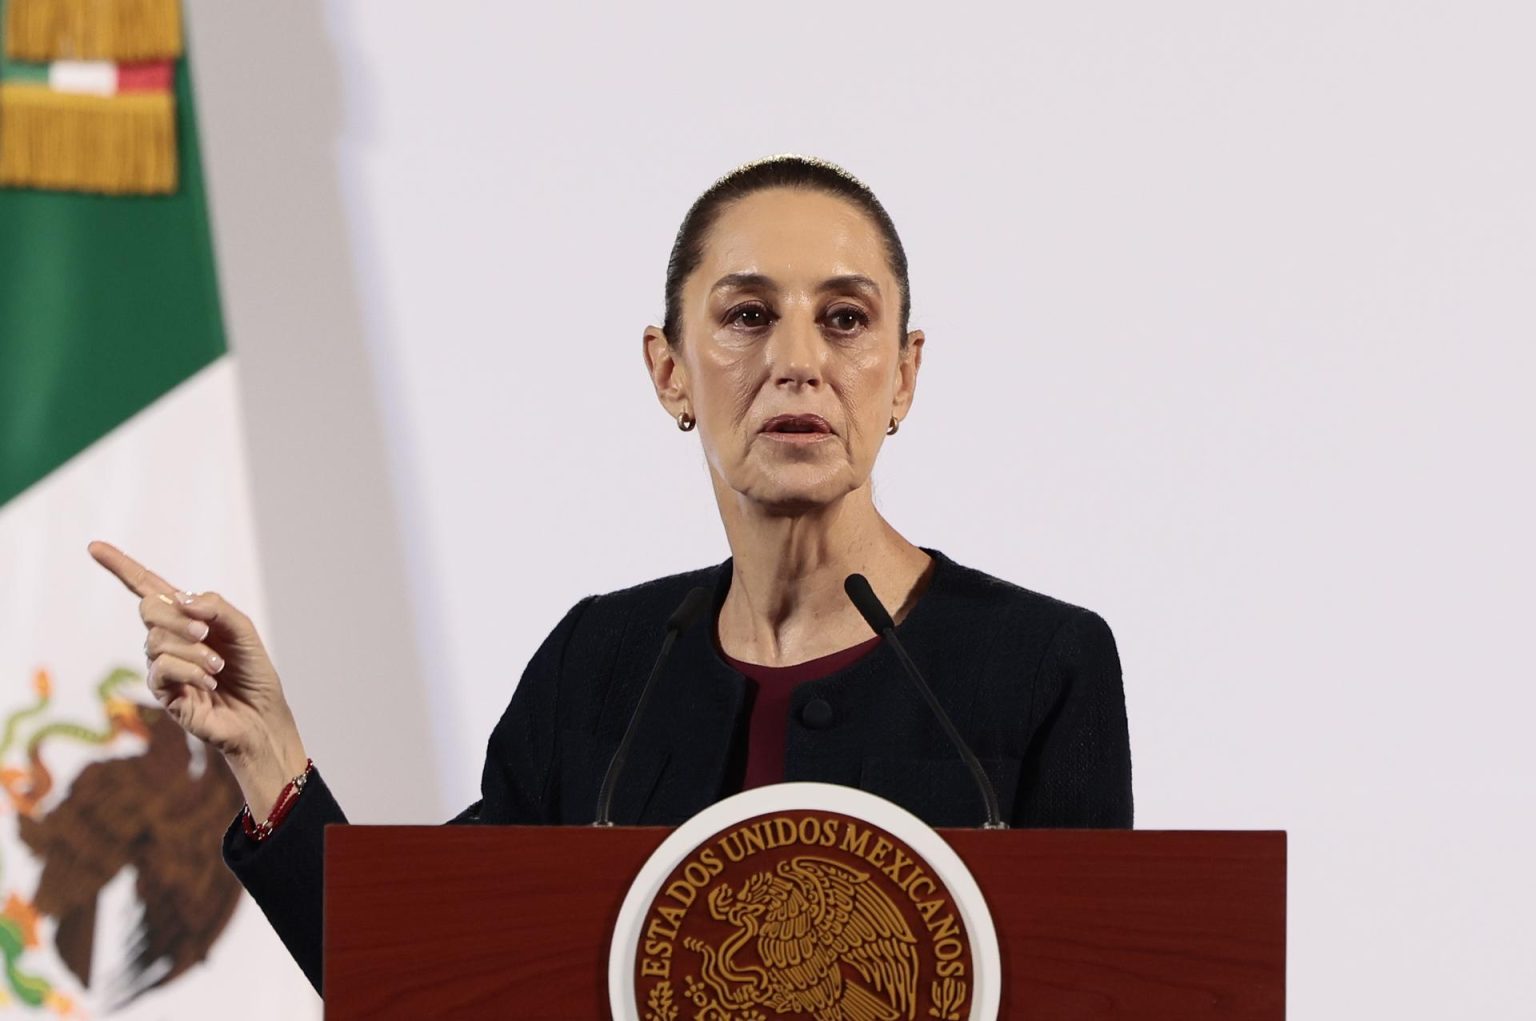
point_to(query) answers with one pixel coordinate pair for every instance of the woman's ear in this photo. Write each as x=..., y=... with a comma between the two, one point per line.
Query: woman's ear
x=906, y=374
x=668, y=373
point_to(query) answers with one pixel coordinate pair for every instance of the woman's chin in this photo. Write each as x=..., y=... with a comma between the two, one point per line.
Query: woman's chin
x=792, y=493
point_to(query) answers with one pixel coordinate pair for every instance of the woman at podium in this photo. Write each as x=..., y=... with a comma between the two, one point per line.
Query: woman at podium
x=786, y=351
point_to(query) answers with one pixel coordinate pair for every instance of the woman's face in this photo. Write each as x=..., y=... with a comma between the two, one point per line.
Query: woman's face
x=790, y=356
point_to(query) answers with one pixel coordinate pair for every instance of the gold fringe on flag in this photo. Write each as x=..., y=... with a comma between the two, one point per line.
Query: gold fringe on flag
x=120, y=30
x=117, y=145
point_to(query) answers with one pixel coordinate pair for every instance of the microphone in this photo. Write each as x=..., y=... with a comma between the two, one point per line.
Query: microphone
x=687, y=612
x=875, y=615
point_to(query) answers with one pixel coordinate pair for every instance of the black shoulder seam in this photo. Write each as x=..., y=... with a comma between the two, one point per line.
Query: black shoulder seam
x=1045, y=655
x=574, y=614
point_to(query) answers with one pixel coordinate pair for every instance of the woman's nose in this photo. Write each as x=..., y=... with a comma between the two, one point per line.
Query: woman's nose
x=795, y=352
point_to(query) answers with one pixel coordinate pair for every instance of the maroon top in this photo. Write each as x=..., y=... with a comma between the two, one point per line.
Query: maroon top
x=769, y=725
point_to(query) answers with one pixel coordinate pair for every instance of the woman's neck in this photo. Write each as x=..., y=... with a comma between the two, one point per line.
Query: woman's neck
x=786, y=603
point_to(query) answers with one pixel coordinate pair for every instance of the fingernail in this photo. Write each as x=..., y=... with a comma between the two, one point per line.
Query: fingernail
x=198, y=630
x=185, y=598
x=215, y=662
x=209, y=682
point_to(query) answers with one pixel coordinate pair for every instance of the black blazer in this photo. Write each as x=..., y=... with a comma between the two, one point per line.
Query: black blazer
x=1032, y=683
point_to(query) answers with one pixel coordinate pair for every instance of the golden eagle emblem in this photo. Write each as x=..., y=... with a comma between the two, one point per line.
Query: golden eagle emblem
x=151, y=813
x=831, y=945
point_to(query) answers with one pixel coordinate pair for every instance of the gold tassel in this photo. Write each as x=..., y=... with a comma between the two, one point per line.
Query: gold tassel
x=63, y=141
x=120, y=30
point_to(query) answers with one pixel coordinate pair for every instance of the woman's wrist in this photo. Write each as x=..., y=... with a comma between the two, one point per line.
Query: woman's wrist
x=263, y=770
x=286, y=799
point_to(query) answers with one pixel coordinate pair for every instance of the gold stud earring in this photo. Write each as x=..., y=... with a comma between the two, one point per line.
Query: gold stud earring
x=895, y=424
x=686, y=422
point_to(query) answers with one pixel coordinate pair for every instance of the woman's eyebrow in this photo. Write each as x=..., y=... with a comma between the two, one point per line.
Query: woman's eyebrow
x=755, y=281
x=851, y=282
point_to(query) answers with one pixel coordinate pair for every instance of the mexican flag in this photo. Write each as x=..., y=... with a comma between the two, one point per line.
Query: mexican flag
x=120, y=420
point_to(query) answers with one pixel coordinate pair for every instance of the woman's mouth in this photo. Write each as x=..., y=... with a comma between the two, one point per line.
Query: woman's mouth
x=797, y=429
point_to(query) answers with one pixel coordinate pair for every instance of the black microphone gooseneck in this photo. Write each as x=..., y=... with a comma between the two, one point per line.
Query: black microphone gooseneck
x=686, y=613
x=874, y=613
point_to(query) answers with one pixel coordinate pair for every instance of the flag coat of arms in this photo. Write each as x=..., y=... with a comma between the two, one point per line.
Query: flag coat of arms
x=119, y=419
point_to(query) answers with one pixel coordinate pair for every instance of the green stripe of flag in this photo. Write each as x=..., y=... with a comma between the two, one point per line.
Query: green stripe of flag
x=106, y=303
x=17, y=71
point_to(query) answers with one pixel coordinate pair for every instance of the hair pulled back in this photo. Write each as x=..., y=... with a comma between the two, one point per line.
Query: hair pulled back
x=785, y=171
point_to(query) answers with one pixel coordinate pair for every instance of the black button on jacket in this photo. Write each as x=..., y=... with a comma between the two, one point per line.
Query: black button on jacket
x=1032, y=683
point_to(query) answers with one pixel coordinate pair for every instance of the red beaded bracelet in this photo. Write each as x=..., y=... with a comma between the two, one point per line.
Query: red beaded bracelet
x=286, y=799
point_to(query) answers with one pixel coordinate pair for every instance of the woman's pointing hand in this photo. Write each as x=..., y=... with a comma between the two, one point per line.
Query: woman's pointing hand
x=211, y=672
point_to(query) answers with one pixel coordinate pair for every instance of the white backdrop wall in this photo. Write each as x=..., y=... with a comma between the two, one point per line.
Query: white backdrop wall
x=1230, y=338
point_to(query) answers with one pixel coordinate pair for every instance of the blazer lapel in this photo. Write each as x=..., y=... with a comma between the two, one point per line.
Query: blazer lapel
x=693, y=716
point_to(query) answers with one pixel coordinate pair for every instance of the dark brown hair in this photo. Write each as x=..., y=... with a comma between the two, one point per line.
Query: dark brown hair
x=775, y=172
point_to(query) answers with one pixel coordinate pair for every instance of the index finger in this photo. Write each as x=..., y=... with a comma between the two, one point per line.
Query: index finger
x=139, y=579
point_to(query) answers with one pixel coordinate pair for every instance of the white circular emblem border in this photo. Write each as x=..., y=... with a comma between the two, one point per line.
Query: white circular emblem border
x=986, y=982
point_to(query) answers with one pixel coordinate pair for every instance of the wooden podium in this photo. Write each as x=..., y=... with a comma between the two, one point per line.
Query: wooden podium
x=515, y=921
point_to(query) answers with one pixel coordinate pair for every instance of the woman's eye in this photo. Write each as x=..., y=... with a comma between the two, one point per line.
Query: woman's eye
x=846, y=320
x=750, y=316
